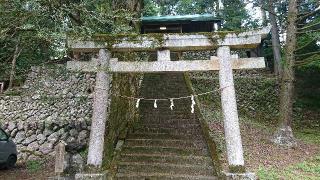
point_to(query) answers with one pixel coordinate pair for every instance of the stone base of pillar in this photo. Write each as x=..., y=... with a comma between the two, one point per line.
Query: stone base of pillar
x=59, y=178
x=284, y=137
x=91, y=176
x=240, y=176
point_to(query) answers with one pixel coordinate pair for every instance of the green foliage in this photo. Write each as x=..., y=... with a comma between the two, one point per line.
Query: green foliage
x=307, y=86
x=122, y=114
x=257, y=97
x=179, y=7
x=235, y=15
x=84, y=153
x=308, y=37
x=39, y=28
x=308, y=135
x=34, y=165
x=150, y=8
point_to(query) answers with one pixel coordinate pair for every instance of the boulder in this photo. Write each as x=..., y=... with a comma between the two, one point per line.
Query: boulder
x=82, y=135
x=20, y=136
x=11, y=126
x=34, y=146
x=29, y=139
x=46, y=148
x=73, y=132
x=41, y=138
x=20, y=125
x=77, y=162
x=53, y=138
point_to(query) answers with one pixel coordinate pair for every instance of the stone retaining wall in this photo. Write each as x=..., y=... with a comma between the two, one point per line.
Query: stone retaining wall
x=53, y=105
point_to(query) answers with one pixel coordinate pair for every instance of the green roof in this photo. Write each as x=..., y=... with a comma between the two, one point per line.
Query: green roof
x=196, y=17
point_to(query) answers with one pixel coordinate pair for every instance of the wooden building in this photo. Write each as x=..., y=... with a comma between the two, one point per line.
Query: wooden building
x=180, y=24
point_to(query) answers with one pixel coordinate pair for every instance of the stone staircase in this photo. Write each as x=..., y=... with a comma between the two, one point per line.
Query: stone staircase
x=165, y=144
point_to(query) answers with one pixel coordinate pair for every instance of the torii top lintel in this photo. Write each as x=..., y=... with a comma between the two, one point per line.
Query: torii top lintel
x=173, y=42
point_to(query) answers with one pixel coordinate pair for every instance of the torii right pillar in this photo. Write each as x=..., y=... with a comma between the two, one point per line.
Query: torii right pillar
x=230, y=118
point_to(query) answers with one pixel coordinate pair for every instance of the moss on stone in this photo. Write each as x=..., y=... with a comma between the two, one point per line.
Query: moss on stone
x=122, y=112
x=158, y=37
x=205, y=128
x=237, y=169
x=92, y=169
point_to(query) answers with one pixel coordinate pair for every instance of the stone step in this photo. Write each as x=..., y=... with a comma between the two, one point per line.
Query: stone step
x=151, y=117
x=165, y=136
x=195, y=130
x=166, y=143
x=162, y=176
x=168, y=121
x=183, y=134
x=161, y=125
x=167, y=111
x=164, y=150
x=165, y=168
x=168, y=93
x=173, y=159
x=165, y=115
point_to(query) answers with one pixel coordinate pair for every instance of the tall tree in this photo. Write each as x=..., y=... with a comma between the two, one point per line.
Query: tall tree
x=16, y=54
x=284, y=136
x=275, y=39
x=235, y=15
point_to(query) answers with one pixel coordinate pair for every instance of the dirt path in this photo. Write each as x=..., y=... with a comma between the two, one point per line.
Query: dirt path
x=24, y=172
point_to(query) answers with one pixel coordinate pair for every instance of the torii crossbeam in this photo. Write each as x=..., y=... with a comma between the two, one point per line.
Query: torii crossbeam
x=163, y=44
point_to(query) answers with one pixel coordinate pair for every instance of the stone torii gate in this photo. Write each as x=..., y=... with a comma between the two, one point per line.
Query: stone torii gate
x=163, y=44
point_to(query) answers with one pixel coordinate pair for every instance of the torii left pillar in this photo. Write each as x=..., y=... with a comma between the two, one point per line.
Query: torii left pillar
x=100, y=107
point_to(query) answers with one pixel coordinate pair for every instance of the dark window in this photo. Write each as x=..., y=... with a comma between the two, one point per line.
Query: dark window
x=3, y=135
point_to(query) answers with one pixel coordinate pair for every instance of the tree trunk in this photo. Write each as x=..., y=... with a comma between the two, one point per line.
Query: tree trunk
x=264, y=17
x=263, y=13
x=13, y=65
x=134, y=6
x=284, y=136
x=275, y=40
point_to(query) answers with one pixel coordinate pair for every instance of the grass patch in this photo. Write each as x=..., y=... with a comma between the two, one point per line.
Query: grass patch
x=309, y=169
x=267, y=174
x=12, y=93
x=308, y=135
x=33, y=165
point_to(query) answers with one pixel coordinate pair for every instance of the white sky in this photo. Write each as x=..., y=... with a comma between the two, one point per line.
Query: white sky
x=254, y=12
